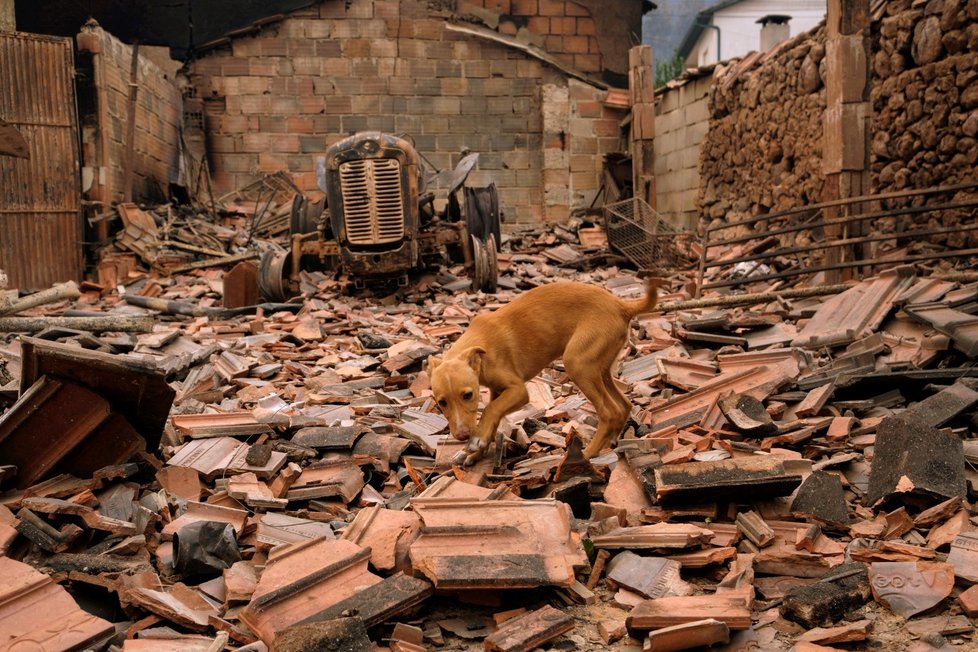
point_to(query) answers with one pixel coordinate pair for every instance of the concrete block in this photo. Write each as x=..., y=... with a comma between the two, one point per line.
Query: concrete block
x=697, y=111
x=697, y=132
x=667, y=101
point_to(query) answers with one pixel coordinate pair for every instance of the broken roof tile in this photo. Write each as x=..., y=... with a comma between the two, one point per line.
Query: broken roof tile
x=494, y=544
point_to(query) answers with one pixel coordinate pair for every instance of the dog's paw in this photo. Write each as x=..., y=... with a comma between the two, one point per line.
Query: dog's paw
x=471, y=454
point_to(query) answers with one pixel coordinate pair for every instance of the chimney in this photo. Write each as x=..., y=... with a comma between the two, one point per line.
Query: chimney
x=774, y=29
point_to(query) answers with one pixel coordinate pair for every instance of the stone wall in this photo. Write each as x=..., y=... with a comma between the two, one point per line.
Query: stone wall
x=276, y=99
x=763, y=149
x=103, y=104
x=925, y=94
x=682, y=116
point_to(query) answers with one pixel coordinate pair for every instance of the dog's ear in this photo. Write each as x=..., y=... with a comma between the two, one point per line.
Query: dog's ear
x=474, y=357
x=433, y=362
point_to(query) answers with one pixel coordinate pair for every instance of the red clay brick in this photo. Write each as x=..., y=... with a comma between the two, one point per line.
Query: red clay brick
x=524, y=7
x=576, y=44
x=538, y=25
x=507, y=27
x=574, y=9
x=585, y=26
x=264, y=67
x=563, y=25
x=551, y=7
x=297, y=125
x=589, y=109
x=587, y=62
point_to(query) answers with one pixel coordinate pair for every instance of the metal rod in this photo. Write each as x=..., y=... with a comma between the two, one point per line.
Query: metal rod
x=841, y=243
x=754, y=298
x=869, y=262
x=908, y=210
x=842, y=202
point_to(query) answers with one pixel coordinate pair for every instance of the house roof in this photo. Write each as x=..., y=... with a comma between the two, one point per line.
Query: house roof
x=700, y=23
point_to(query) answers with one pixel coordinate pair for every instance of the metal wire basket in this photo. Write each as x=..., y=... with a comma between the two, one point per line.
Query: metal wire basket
x=638, y=232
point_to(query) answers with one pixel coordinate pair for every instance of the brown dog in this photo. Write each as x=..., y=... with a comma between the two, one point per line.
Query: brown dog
x=585, y=325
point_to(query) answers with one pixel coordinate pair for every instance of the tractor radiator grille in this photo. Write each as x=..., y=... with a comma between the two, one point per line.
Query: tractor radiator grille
x=372, y=202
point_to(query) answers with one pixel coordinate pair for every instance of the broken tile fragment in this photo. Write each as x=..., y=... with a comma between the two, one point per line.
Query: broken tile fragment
x=658, y=535
x=732, y=609
x=908, y=588
x=651, y=577
x=496, y=543
x=964, y=556
x=939, y=408
x=695, y=634
x=822, y=498
x=823, y=603
x=317, y=580
x=848, y=633
x=529, y=630
x=347, y=634
x=934, y=472
x=747, y=415
x=38, y=614
x=743, y=478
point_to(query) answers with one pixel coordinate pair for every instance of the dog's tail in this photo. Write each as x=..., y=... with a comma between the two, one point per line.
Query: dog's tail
x=645, y=304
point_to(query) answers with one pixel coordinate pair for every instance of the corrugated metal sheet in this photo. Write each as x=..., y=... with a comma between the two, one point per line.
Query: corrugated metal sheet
x=40, y=197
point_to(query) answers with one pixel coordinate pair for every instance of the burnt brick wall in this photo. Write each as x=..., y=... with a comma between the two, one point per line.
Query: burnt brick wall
x=158, y=111
x=276, y=99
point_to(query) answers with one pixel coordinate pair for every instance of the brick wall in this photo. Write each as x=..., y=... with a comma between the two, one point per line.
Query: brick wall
x=104, y=115
x=276, y=99
x=682, y=119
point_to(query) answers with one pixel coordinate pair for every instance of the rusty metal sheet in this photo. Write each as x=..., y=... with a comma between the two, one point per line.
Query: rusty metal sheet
x=316, y=580
x=62, y=426
x=40, y=218
x=37, y=614
x=496, y=544
x=134, y=388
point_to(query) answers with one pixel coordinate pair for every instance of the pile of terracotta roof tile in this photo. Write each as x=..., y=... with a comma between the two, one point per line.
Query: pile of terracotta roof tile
x=796, y=474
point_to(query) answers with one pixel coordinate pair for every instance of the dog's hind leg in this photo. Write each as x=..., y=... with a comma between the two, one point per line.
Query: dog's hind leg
x=588, y=363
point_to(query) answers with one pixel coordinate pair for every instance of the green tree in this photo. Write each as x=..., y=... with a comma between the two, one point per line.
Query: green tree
x=668, y=69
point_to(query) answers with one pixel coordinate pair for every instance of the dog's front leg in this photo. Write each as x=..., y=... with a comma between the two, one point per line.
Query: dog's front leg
x=510, y=399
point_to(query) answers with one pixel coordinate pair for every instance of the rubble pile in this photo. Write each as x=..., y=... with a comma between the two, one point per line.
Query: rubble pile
x=796, y=474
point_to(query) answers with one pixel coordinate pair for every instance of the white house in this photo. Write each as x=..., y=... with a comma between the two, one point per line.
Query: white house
x=733, y=28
